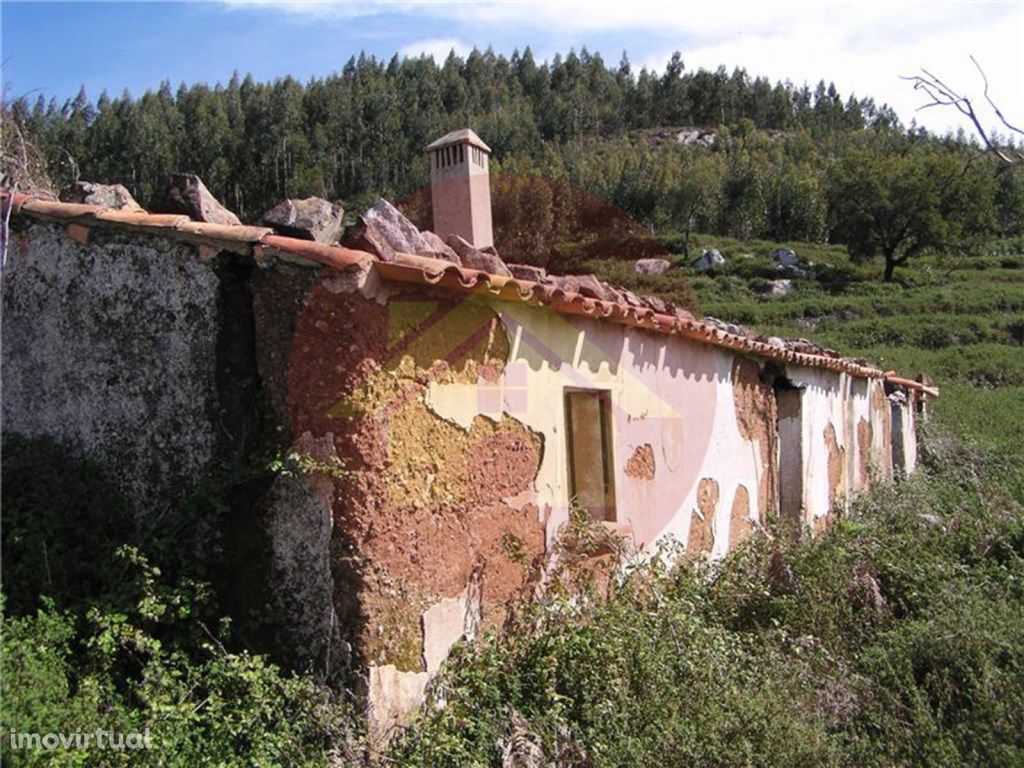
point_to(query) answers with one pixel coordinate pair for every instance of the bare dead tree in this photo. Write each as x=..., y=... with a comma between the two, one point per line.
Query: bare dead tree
x=942, y=95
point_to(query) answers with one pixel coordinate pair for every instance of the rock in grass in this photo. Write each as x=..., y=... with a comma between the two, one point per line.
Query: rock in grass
x=711, y=257
x=651, y=266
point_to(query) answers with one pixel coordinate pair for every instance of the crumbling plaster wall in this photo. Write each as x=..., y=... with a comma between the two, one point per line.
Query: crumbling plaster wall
x=675, y=397
x=450, y=412
x=825, y=436
x=110, y=347
x=847, y=439
x=427, y=506
x=904, y=432
x=447, y=411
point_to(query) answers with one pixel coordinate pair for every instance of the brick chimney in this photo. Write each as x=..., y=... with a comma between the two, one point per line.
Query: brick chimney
x=460, y=187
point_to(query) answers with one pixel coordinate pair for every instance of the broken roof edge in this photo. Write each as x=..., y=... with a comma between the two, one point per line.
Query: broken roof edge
x=419, y=270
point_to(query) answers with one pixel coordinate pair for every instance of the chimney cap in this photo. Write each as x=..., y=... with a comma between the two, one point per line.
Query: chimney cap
x=463, y=135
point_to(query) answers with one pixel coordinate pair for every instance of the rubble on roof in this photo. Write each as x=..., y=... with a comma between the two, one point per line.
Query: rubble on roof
x=435, y=247
x=186, y=194
x=585, y=285
x=383, y=231
x=113, y=196
x=565, y=294
x=477, y=258
x=527, y=272
x=734, y=328
x=312, y=218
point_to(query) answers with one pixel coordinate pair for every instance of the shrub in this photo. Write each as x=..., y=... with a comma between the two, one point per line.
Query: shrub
x=151, y=663
x=62, y=522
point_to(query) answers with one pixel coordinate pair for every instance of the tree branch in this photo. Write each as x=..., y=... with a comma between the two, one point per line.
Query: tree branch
x=999, y=114
x=942, y=95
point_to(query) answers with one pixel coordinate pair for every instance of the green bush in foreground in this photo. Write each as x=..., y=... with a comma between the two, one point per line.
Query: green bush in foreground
x=151, y=665
x=897, y=638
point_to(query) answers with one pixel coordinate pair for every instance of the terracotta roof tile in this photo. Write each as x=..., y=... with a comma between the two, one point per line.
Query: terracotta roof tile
x=420, y=270
x=229, y=237
x=334, y=256
x=51, y=209
x=137, y=220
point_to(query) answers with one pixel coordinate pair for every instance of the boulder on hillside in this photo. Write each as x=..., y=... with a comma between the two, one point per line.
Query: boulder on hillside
x=780, y=287
x=108, y=195
x=784, y=257
x=711, y=257
x=475, y=258
x=312, y=218
x=384, y=231
x=651, y=266
x=187, y=195
x=527, y=272
x=791, y=271
x=691, y=136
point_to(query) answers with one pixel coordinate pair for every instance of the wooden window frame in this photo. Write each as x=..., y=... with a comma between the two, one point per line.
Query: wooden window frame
x=608, y=513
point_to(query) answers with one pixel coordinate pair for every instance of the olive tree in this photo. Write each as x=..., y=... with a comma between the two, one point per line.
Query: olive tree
x=895, y=198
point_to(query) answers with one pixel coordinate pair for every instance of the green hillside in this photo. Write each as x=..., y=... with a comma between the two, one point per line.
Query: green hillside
x=960, y=320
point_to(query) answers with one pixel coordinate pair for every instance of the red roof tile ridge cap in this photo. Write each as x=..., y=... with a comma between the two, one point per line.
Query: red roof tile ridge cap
x=911, y=384
x=311, y=249
x=57, y=209
x=18, y=199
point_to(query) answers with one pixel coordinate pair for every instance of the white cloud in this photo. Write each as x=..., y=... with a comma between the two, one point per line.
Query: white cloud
x=330, y=9
x=437, y=48
x=863, y=46
x=868, y=56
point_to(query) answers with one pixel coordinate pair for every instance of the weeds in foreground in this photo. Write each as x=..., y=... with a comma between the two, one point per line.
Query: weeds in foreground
x=896, y=638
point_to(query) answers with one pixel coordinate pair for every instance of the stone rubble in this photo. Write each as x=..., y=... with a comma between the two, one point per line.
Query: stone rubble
x=114, y=196
x=476, y=258
x=312, y=218
x=186, y=194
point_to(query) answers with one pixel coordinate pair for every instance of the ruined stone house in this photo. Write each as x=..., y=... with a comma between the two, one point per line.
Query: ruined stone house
x=468, y=401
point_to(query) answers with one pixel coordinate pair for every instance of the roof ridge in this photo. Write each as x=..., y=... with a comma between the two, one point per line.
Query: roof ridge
x=408, y=268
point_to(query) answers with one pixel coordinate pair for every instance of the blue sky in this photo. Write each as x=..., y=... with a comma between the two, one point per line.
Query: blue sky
x=53, y=48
